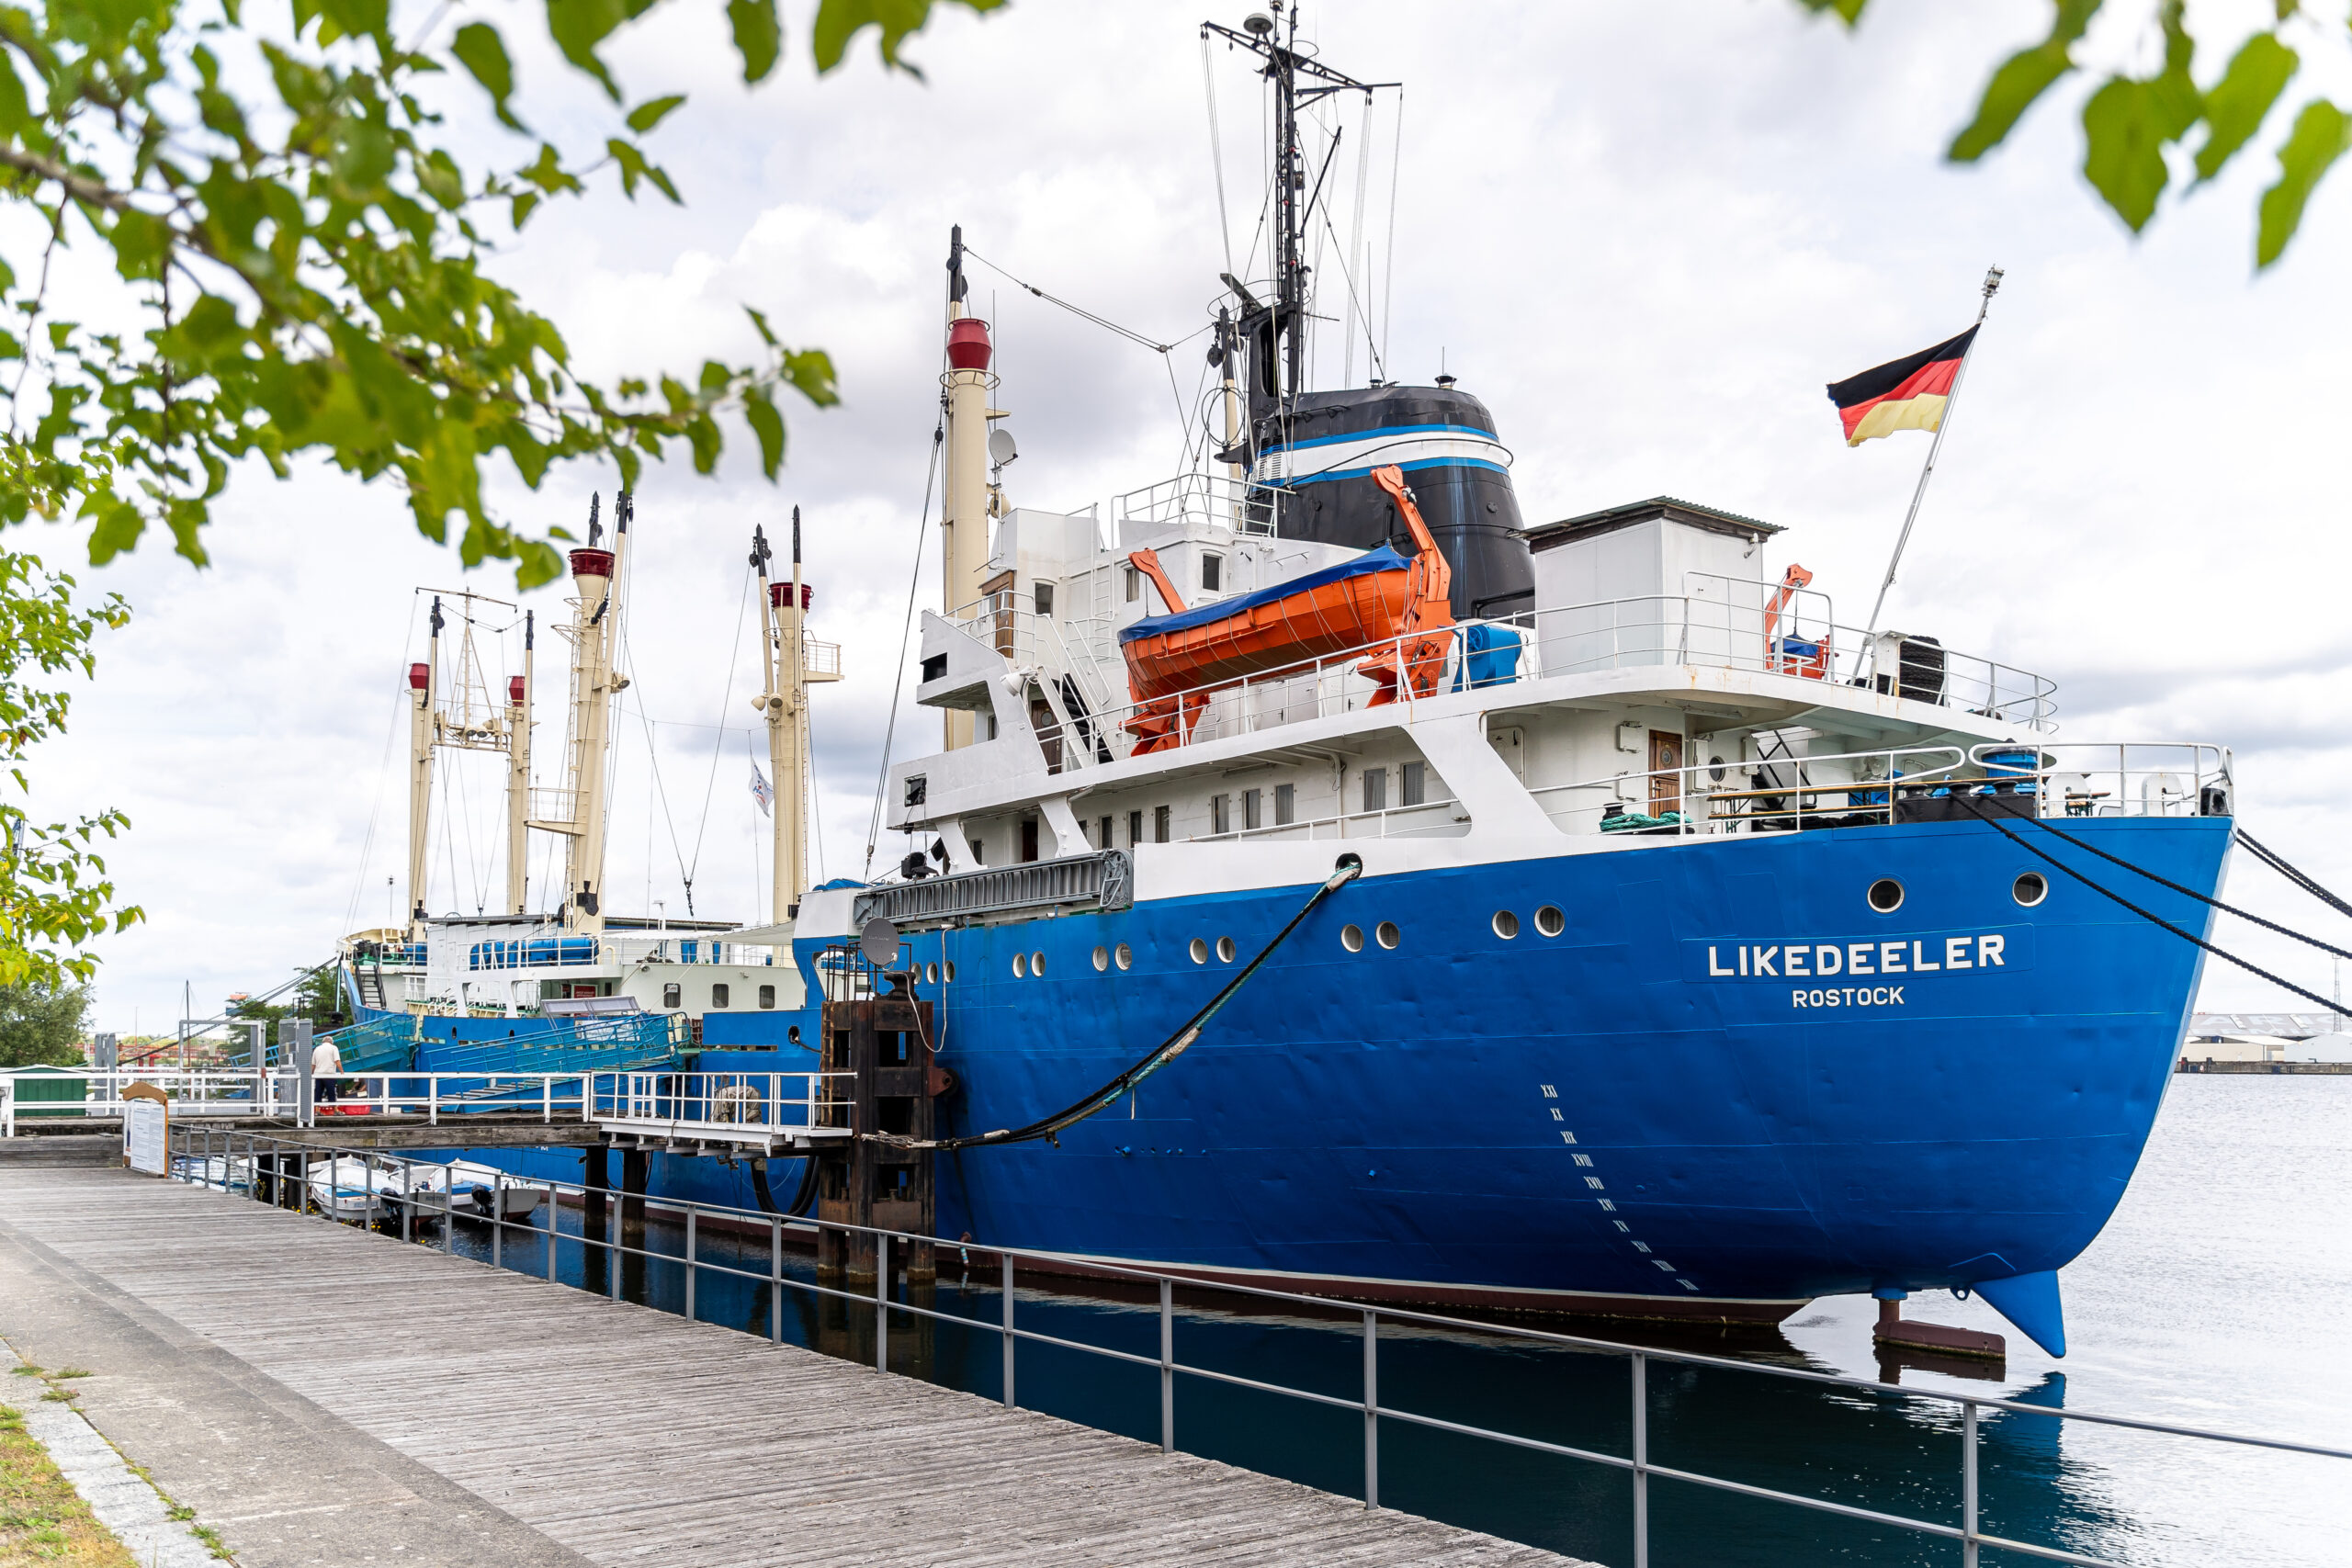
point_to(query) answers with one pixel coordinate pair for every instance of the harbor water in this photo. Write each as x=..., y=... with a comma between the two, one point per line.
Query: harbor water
x=2218, y=1296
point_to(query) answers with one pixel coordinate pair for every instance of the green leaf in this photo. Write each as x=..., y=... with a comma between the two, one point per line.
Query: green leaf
x=839, y=21
x=484, y=54
x=759, y=412
x=119, y=527
x=1846, y=11
x=759, y=37
x=2125, y=127
x=2317, y=140
x=761, y=321
x=2022, y=78
x=579, y=26
x=2236, y=106
x=141, y=244
x=646, y=116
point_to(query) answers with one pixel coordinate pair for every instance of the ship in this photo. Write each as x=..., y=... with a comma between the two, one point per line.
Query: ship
x=1570, y=916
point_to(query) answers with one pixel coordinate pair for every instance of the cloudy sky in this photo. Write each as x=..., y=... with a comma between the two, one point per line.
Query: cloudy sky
x=1645, y=235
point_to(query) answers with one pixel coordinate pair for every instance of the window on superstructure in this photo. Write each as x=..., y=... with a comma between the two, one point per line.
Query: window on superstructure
x=1285, y=805
x=670, y=995
x=1412, y=783
x=1220, y=814
x=719, y=996
x=767, y=996
x=1252, y=802
x=978, y=858
x=1135, y=829
x=1044, y=597
x=1375, y=789
x=1212, y=570
x=1160, y=824
x=988, y=725
x=1104, y=842
x=1135, y=584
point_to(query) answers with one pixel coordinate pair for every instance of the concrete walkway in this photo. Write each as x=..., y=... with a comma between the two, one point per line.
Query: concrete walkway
x=322, y=1395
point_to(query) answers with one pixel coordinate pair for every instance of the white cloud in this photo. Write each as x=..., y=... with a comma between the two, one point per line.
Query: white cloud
x=1646, y=236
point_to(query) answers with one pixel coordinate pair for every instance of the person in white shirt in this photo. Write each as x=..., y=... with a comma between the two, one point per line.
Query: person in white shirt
x=326, y=1062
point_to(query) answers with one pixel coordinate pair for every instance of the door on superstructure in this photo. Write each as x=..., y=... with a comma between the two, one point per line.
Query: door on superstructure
x=1666, y=776
x=1048, y=728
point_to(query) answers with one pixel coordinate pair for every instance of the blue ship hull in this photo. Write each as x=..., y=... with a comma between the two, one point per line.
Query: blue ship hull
x=1646, y=1114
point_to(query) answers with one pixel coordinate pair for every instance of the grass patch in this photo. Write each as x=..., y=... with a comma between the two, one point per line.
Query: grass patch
x=42, y=1519
x=73, y=1373
x=58, y=1396
x=29, y=1371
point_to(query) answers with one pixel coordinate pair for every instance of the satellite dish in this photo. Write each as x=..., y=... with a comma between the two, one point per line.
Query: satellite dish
x=1260, y=23
x=879, y=943
x=1001, y=449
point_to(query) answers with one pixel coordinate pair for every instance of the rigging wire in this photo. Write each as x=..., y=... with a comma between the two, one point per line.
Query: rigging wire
x=897, y=689
x=391, y=732
x=742, y=601
x=1217, y=154
x=1388, y=267
x=1084, y=314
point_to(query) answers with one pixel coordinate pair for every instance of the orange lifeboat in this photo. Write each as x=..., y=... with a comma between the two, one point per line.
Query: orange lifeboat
x=1175, y=662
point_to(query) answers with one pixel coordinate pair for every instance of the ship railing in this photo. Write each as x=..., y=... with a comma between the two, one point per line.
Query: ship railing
x=1788, y=791
x=253, y=1167
x=1610, y=635
x=725, y=1107
x=1784, y=792
x=822, y=660
x=1217, y=499
x=2114, y=778
x=279, y=1092
x=554, y=803
x=630, y=951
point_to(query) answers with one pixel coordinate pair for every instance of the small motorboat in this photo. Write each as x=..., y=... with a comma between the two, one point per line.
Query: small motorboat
x=349, y=1187
x=467, y=1189
x=1382, y=597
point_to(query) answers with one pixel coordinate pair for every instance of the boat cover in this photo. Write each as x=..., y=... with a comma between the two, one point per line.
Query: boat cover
x=1385, y=558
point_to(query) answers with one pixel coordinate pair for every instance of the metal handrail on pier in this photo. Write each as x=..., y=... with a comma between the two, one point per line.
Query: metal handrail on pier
x=218, y=1157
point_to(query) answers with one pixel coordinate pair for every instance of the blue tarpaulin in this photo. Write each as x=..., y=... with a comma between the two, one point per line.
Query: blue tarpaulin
x=1385, y=558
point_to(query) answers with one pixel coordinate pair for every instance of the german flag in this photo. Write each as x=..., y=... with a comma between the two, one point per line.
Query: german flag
x=1903, y=394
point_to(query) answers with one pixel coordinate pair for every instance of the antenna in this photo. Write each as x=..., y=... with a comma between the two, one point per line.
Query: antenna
x=1276, y=331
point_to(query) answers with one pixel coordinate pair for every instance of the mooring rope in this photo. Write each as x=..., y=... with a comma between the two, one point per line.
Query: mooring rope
x=2146, y=915
x=1175, y=1045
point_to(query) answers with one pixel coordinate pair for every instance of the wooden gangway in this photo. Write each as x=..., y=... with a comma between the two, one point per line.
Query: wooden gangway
x=627, y=1435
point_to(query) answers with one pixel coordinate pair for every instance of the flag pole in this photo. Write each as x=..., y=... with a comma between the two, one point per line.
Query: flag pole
x=1927, y=472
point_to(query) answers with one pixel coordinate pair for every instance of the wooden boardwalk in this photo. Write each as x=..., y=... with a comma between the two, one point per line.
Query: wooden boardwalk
x=631, y=1436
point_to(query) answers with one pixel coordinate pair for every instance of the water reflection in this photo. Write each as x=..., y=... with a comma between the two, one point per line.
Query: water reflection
x=1895, y=1452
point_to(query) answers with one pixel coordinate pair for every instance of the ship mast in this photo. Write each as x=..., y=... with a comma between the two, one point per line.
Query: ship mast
x=964, y=530
x=790, y=662
x=1276, y=329
x=596, y=637
x=462, y=715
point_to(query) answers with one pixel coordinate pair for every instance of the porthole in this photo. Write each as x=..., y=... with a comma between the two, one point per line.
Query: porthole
x=1102, y=959
x=2029, y=889
x=1224, y=950
x=1506, y=924
x=1037, y=964
x=1388, y=933
x=949, y=970
x=1550, y=921
x=1123, y=956
x=1351, y=938
x=1020, y=965
x=1200, y=951
x=1887, y=895
x=930, y=973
